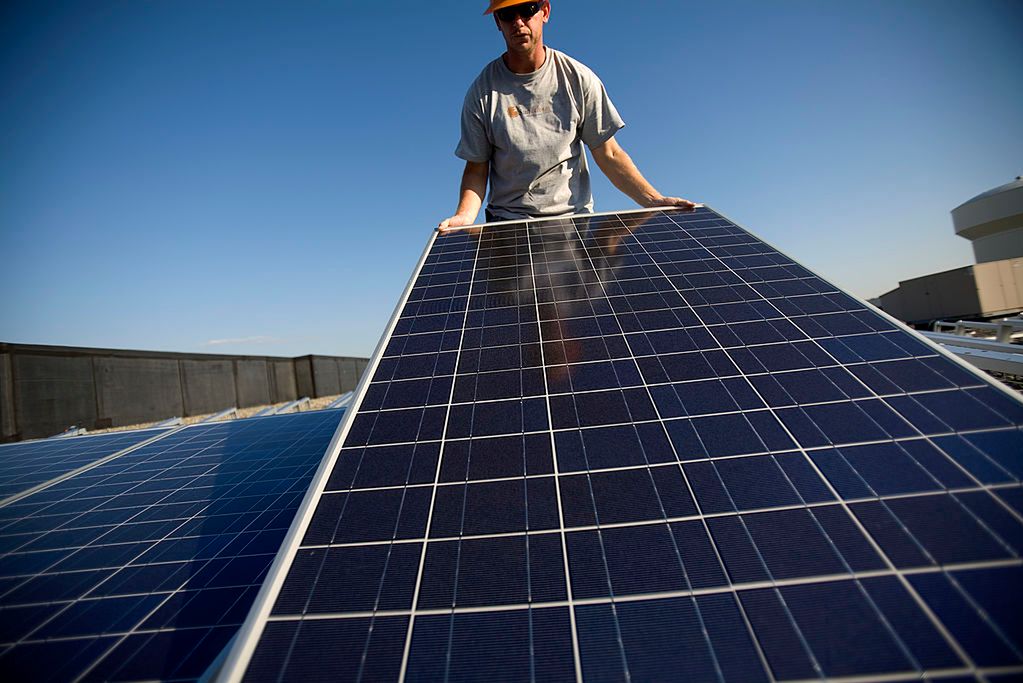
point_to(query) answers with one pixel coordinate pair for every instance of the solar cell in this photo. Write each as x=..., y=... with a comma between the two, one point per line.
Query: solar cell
x=143, y=567
x=30, y=463
x=649, y=446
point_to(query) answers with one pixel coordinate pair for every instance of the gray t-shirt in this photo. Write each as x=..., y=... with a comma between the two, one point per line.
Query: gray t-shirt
x=529, y=127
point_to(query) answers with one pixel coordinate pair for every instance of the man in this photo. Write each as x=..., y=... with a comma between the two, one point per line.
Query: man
x=524, y=121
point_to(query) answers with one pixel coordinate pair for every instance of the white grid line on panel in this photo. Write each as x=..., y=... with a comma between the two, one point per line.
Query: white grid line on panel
x=937, y=489
x=697, y=416
x=643, y=522
x=577, y=658
x=733, y=589
x=433, y=496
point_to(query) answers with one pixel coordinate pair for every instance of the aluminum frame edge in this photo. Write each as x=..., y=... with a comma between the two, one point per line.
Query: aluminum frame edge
x=240, y=655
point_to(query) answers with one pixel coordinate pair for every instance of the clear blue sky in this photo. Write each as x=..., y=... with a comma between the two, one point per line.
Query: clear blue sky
x=252, y=177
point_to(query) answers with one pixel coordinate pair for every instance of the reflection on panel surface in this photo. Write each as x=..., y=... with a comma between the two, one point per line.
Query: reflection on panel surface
x=143, y=567
x=648, y=446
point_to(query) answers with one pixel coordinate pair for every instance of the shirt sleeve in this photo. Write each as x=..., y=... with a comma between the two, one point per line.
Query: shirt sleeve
x=474, y=144
x=600, y=120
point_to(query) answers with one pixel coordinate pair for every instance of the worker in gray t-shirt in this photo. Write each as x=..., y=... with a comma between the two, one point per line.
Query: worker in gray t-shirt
x=524, y=121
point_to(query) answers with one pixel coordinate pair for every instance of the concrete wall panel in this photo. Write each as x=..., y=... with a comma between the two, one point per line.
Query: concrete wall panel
x=989, y=287
x=52, y=393
x=350, y=373
x=252, y=382
x=1016, y=265
x=326, y=376
x=284, y=385
x=304, y=376
x=1000, y=286
x=8, y=427
x=208, y=385
x=135, y=390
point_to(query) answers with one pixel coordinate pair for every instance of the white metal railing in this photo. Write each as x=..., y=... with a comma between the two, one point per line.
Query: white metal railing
x=286, y=408
x=986, y=354
x=1006, y=330
x=226, y=412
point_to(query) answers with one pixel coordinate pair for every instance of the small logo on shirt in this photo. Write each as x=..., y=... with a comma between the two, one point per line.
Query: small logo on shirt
x=517, y=110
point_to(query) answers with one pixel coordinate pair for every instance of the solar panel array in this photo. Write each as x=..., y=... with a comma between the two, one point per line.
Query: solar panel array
x=27, y=464
x=649, y=446
x=143, y=566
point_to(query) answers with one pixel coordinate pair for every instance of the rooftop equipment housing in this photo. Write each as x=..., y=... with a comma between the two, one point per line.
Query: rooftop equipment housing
x=993, y=222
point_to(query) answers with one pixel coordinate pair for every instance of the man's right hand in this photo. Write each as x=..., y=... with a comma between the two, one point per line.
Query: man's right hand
x=470, y=197
x=457, y=222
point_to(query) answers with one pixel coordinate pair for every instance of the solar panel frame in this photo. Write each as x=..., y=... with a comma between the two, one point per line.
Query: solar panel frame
x=241, y=653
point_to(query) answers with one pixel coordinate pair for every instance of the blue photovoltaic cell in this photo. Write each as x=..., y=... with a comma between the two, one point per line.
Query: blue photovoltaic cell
x=27, y=464
x=143, y=567
x=648, y=446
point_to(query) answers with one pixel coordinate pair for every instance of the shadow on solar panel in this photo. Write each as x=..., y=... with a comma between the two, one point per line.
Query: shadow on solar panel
x=143, y=566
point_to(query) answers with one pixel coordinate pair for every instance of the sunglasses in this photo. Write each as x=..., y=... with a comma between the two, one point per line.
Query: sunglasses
x=526, y=10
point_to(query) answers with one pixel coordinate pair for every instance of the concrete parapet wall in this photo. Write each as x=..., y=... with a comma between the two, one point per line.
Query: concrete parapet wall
x=46, y=389
x=283, y=386
x=350, y=371
x=7, y=424
x=52, y=390
x=130, y=390
x=304, y=376
x=208, y=385
x=251, y=383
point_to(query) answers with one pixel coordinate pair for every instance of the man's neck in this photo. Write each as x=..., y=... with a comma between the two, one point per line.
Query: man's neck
x=527, y=62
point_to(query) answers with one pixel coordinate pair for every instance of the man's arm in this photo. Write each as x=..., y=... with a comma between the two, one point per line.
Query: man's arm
x=470, y=196
x=623, y=174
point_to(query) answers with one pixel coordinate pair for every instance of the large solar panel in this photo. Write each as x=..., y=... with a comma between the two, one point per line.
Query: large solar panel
x=30, y=463
x=143, y=566
x=648, y=446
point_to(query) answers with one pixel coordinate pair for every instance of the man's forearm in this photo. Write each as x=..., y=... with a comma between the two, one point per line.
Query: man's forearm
x=619, y=168
x=623, y=174
x=470, y=196
x=472, y=190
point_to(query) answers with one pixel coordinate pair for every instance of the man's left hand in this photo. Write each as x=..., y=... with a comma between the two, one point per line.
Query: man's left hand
x=672, y=201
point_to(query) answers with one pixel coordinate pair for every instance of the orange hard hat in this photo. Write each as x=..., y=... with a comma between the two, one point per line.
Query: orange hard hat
x=500, y=4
